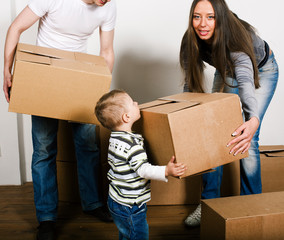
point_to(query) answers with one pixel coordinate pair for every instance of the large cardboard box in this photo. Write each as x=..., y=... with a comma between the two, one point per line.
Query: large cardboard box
x=272, y=168
x=259, y=216
x=58, y=84
x=194, y=127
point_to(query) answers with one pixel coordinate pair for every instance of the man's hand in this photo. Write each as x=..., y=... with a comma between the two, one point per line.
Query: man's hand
x=7, y=84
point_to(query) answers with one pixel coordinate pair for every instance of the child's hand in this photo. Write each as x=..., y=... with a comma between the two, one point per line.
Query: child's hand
x=175, y=169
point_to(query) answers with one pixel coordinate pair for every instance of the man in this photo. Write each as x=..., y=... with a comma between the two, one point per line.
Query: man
x=65, y=25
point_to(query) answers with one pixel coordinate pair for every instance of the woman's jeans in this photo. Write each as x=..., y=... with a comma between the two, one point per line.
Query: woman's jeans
x=249, y=167
x=131, y=222
x=44, y=135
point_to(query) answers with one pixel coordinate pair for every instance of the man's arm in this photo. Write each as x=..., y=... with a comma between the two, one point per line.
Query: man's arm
x=106, y=47
x=22, y=22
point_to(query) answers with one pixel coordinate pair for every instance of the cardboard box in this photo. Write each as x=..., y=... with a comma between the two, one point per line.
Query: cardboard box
x=65, y=143
x=58, y=84
x=67, y=177
x=231, y=183
x=194, y=127
x=67, y=181
x=272, y=168
x=259, y=216
x=176, y=191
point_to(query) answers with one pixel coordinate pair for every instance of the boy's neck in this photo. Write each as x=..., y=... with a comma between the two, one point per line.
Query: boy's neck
x=124, y=128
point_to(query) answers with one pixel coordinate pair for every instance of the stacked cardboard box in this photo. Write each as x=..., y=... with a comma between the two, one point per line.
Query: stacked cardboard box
x=272, y=168
x=67, y=178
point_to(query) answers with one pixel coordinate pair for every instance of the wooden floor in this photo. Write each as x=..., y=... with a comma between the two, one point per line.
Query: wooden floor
x=18, y=221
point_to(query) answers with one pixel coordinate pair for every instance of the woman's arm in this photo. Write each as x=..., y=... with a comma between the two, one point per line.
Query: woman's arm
x=245, y=79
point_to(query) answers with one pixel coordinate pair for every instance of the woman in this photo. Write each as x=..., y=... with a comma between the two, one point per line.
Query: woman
x=245, y=65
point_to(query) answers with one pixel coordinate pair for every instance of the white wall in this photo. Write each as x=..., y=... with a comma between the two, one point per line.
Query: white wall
x=147, y=41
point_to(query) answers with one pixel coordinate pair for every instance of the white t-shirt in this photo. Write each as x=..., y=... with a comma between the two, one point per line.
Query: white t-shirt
x=67, y=24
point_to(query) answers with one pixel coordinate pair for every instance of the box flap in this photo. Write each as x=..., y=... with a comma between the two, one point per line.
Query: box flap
x=272, y=151
x=152, y=104
x=33, y=58
x=44, y=51
x=166, y=106
x=272, y=148
x=275, y=154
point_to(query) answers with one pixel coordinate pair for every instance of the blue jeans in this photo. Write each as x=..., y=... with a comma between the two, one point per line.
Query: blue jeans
x=44, y=135
x=131, y=222
x=250, y=171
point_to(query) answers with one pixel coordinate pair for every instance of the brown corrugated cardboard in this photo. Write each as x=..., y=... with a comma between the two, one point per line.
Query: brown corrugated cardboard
x=194, y=127
x=176, y=191
x=58, y=84
x=67, y=181
x=65, y=143
x=272, y=168
x=67, y=178
x=231, y=179
x=104, y=135
x=259, y=216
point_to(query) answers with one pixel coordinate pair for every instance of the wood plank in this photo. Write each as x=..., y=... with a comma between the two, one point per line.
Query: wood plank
x=18, y=220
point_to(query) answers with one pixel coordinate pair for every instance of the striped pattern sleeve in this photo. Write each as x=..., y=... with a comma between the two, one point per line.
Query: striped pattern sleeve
x=125, y=156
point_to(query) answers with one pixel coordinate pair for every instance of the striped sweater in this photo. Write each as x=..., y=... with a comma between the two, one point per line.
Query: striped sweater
x=130, y=171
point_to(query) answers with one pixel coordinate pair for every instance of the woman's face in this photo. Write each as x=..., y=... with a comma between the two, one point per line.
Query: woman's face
x=203, y=20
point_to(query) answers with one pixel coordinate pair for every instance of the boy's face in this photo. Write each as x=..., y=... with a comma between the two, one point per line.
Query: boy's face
x=132, y=108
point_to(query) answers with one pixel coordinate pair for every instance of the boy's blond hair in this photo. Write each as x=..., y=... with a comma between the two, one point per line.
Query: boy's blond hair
x=110, y=108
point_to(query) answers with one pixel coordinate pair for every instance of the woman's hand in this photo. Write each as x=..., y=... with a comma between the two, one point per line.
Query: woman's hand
x=243, y=136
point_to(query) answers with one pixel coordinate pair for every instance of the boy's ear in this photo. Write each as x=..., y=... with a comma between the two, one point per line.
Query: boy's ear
x=125, y=117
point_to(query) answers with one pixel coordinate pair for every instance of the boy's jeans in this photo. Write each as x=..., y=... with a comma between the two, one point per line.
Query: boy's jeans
x=249, y=167
x=131, y=222
x=44, y=135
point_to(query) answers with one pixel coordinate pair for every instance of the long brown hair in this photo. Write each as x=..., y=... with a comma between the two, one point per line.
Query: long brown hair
x=231, y=35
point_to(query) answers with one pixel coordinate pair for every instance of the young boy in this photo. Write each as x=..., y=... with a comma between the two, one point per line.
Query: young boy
x=129, y=173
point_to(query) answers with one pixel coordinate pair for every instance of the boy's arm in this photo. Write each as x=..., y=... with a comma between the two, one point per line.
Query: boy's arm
x=149, y=171
x=161, y=173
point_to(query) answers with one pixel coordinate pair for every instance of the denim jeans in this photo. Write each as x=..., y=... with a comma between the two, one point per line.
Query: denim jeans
x=44, y=135
x=250, y=171
x=131, y=222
